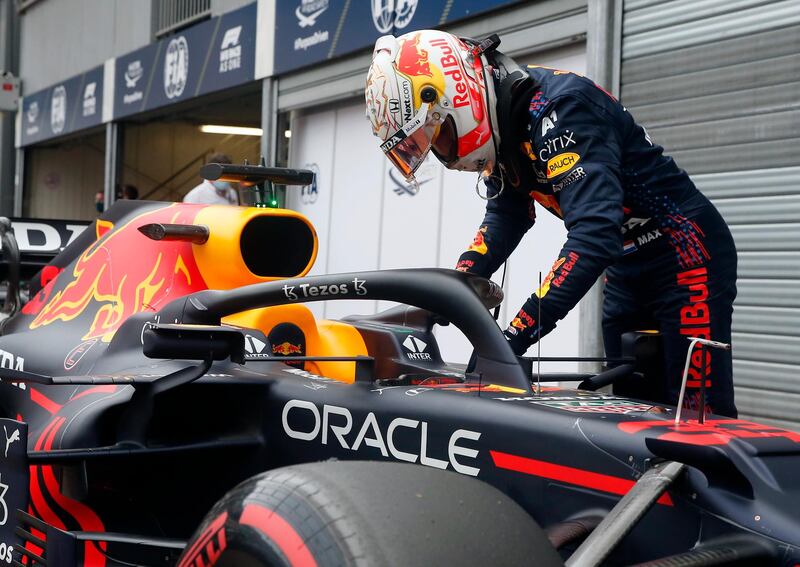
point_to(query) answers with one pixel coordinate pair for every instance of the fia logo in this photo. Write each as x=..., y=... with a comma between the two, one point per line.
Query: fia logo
x=176, y=67
x=388, y=14
x=58, y=109
x=308, y=11
x=310, y=193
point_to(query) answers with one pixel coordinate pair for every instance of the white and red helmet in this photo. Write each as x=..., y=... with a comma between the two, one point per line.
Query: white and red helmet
x=429, y=89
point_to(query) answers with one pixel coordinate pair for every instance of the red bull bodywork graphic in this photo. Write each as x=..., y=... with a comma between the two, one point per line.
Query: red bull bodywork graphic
x=412, y=60
x=286, y=348
x=712, y=432
x=123, y=273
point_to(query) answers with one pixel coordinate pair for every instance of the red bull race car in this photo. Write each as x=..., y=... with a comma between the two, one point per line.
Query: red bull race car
x=168, y=398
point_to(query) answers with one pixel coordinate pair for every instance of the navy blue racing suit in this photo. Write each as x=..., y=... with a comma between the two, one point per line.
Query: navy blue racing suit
x=628, y=209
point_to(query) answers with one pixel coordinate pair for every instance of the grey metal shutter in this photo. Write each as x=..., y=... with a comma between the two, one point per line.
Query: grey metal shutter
x=717, y=83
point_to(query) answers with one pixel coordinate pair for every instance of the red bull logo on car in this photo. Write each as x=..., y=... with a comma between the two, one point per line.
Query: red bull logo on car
x=106, y=282
x=286, y=348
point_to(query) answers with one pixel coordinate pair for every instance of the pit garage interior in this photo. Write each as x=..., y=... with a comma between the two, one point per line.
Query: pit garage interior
x=160, y=154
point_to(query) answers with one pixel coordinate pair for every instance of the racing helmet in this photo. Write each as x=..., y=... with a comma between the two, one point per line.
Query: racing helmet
x=431, y=90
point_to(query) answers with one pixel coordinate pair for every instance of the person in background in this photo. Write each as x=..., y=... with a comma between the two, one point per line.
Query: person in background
x=129, y=192
x=213, y=192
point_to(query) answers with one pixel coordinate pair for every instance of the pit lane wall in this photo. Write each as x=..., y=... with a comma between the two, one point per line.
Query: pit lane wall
x=715, y=82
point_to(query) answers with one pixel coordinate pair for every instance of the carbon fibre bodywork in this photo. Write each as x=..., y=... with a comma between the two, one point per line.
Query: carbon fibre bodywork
x=114, y=453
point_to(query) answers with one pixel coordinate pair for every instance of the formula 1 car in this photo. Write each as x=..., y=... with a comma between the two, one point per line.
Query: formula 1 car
x=182, y=406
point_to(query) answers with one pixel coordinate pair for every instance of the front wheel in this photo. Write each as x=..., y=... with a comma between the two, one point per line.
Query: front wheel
x=366, y=513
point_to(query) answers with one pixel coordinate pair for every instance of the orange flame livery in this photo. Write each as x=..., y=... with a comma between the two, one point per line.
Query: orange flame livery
x=123, y=273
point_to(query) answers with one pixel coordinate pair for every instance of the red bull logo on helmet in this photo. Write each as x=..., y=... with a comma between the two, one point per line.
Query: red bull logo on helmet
x=123, y=273
x=412, y=60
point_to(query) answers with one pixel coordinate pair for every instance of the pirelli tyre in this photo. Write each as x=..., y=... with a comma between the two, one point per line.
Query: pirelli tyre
x=360, y=513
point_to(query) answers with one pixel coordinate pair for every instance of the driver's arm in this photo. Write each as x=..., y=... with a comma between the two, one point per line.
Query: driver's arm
x=508, y=217
x=590, y=197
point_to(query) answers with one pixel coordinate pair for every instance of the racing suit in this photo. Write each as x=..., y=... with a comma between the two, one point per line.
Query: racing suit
x=628, y=209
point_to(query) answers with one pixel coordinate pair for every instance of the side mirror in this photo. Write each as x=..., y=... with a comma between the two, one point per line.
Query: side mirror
x=194, y=342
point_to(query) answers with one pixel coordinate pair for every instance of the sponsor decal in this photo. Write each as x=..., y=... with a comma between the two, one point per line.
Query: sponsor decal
x=335, y=425
x=3, y=505
x=547, y=201
x=561, y=163
x=632, y=223
x=90, y=99
x=549, y=122
x=566, y=268
x=597, y=406
x=412, y=60
x=545, y=287
x=6, y=552
x=556, y=144
x=11, y=361
x=75, y=355
x=303, y=43
x=10, y=439
x=696, y=322
x=133, y=73
x=392, y=15
x=712, y=432
x=479, y=243
x=575, y=175
x=648, y=237
x=308, y=11
x=108, y=301
x=208, y=546
x=254, y=346
x=453, y=68
x=176, y=67
x=286, y=349
x=359, y=287
x=416, y=348
x=32, y=115
x=396, y=138
x=132, y=76
x=230, y=50
x=58, y=109
x=464, y=265
x=522, y=321
x=538, y=102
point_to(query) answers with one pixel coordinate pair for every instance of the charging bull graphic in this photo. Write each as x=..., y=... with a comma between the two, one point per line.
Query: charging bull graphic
x=101, y=282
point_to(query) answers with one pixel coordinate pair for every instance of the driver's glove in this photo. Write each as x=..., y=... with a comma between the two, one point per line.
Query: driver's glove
x=522, y=332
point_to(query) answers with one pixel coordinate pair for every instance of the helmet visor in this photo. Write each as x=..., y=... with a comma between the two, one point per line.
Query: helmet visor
x=408, y=147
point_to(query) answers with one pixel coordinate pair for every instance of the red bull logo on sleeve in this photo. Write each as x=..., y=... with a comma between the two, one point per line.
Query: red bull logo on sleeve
x=123, y=273
x=479, y=242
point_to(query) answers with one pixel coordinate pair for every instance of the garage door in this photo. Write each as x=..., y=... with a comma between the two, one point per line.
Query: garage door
x=716, y=82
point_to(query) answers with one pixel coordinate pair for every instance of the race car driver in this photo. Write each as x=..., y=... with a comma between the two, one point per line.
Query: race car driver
x=539, y=135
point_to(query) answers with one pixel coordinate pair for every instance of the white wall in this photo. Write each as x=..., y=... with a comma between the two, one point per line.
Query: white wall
x=366, y=221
